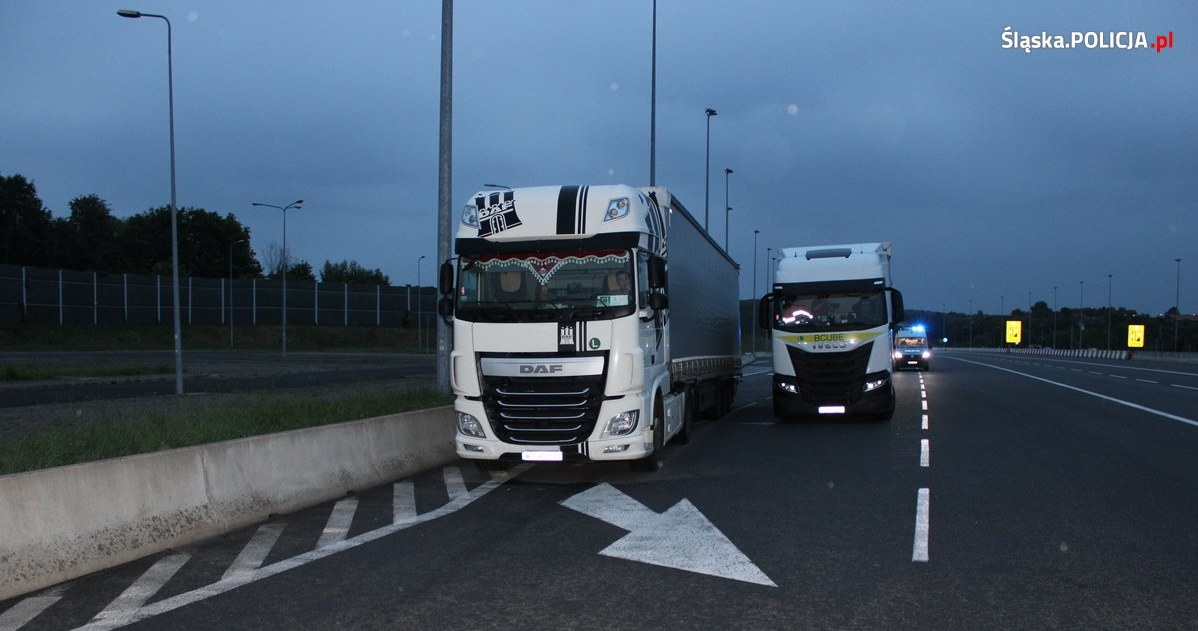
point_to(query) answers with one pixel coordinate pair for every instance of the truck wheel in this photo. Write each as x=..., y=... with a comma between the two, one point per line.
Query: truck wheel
x=652, y=462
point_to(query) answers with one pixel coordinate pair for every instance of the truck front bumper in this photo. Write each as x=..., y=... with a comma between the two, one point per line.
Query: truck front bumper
x=634, y=446
x=789, y=399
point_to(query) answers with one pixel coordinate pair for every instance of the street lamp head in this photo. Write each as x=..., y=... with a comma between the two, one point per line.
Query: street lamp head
x=728, y=171
x=127, y=13
x=711, y=112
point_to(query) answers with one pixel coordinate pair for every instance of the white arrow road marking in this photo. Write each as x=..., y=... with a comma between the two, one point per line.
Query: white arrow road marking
x=680, y=538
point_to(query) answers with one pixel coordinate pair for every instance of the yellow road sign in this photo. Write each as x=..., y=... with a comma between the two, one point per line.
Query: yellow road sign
x=1014, y=331
x=1135, y=336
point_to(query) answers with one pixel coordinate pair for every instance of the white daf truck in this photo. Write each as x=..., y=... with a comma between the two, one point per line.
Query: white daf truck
x=832, y=312
x=590, y=323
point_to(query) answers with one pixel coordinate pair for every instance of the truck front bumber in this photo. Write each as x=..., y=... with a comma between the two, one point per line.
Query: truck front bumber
x=842, y=372
x=612, y=375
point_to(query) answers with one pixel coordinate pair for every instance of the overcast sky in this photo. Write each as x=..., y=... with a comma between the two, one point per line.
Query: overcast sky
x=994, y=172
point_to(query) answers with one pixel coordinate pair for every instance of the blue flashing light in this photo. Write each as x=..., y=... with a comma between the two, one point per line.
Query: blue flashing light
x=918, y=327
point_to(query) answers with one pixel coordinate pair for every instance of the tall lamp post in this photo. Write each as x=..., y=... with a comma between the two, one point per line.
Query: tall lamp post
x=1109, y=278
x=295, y=205
x=1177, y=305
x=753, y=297
x=727, y=208
x=419, y=331
x=170, y=82
x=707, y=175
x=231, y=289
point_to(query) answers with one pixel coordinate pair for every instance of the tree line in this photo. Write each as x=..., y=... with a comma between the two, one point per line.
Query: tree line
x=91, y=238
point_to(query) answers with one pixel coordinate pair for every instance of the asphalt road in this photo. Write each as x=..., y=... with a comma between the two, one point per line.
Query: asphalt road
x=1006, y=493
x=203, y=372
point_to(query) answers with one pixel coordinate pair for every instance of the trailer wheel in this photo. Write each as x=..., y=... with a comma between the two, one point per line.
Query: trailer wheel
x=652, y=462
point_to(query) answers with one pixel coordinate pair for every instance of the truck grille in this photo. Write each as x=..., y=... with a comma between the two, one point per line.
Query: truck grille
x=830, y=378
x=543, y=410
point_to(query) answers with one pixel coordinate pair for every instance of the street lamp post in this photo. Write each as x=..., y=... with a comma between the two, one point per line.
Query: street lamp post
x=753, y=297
x=295, y=205
x=1177, y=305
x=707, y=175
x=727, y=208
x=1109, y=278
x=1081, y=313
x=170, y=82
x=419, y=331
x=1054, y=316
x=231, y=289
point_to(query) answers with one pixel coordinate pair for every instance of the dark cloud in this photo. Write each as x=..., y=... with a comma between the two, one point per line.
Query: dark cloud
x=993, y=171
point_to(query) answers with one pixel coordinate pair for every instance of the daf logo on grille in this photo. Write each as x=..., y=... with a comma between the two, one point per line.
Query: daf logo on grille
x=540, y=369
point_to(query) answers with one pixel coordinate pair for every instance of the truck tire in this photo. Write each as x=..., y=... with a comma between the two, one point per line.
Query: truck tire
x=652, y=462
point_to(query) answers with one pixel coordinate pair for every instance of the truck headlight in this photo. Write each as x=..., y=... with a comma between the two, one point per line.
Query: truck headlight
x=786, y=385
x=622, y=424
x=874, y=384
x=469, y=426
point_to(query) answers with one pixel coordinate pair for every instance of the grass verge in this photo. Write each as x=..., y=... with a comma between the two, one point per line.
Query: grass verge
x=170, y=423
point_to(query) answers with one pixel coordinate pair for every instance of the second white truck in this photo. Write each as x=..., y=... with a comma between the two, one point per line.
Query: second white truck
x=832, y=313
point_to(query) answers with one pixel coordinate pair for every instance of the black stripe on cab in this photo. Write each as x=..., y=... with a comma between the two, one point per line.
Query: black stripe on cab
x=567, y=202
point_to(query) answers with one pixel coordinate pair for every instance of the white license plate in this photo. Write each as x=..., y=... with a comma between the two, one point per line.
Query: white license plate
x=541, y=456
x=831, y=409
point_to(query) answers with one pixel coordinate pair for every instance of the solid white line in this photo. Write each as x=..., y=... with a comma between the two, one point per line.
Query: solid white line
x=23, y=612
x=339, y=522
x=403, y=502
x=925, y=421
x=121, y=611
x=1129, y=404
x=254, y=552
x=919, y=552
x=925, y=453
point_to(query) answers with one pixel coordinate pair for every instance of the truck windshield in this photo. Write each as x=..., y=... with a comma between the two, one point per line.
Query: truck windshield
x=833, y=311
x=543, y=287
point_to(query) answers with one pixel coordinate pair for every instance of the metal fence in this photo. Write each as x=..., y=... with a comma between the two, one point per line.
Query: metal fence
x=31, y=295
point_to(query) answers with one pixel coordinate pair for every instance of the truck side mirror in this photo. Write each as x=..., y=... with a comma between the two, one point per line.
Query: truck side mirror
x=445, y=282
x=765, y=309
x=658, y=301
x=445, y=307
x=896, y=307
x=657, y=273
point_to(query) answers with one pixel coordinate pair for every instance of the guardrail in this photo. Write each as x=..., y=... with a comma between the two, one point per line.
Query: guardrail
x=65, y=522
x=1093, y=353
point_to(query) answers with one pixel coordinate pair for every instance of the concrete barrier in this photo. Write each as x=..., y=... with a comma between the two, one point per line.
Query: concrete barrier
x=61, y=523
